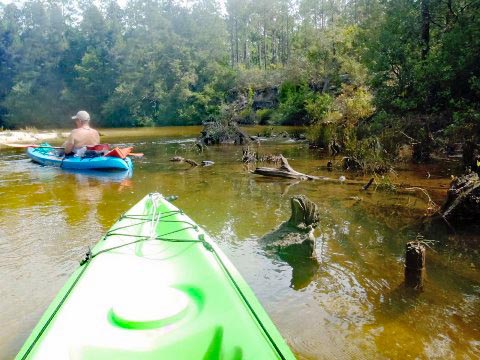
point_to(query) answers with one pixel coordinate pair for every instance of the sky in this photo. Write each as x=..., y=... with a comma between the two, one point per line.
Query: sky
x=20, y=2
x=122, y=3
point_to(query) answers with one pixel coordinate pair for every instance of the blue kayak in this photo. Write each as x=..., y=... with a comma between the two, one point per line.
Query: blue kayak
x=49, y=157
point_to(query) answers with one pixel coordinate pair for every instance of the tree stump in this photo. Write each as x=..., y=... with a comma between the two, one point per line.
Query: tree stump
x=414, y=265
x=294, y=238
x=304, y=212
x=293, y=241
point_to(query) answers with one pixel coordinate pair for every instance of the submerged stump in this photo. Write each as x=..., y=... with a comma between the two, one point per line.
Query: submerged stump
x=414, y=265
x=293, y=241
x=294, y=238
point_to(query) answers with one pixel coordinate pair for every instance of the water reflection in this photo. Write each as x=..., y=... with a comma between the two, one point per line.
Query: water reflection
x=105, y=176
x=303, y=270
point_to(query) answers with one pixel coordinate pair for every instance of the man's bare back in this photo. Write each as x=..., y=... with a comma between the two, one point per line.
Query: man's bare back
x=83, y=135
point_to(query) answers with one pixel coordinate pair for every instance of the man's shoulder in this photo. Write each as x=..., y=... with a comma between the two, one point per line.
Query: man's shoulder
x=82, y=130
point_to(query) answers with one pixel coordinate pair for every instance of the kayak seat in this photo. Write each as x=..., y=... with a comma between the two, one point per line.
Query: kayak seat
x=99, y=147
x=92, y=154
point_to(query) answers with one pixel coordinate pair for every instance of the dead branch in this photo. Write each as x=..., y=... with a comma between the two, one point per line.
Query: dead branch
x=285, y=170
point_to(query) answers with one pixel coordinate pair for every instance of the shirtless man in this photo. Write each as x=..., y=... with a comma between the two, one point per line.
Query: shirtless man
x=83, y=135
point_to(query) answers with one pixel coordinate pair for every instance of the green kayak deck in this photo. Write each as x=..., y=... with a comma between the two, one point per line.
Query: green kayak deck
x=155, y=287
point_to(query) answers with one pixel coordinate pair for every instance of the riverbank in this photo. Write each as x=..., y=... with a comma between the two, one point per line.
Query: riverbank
x=27, y=137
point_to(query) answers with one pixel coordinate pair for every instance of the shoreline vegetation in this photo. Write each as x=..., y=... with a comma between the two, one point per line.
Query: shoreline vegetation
x=367, y=79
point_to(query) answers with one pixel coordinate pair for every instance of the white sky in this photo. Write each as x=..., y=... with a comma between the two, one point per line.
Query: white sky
x=122, y=3
x=20, y=2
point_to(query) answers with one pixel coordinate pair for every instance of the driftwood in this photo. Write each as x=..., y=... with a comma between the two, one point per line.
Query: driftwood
x=370, y=182
x=463, y=200
x=249, y=156
x=285, y=170
x=181, y=159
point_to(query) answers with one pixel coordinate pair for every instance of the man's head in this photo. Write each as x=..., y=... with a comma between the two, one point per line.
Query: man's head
x=82, y=117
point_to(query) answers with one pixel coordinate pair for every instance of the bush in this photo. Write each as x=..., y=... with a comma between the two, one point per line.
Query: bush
x=246, y=116
x=293, y=98
x=264, y=116
x=368, y=153
x=318, y=106
x=321, y=134
x=465, y=125
x=337, y=119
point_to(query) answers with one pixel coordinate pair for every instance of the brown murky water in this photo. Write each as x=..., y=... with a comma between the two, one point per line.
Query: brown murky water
x=351, y=304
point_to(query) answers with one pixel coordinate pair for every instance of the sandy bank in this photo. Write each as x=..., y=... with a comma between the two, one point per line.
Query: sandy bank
x=27, y=137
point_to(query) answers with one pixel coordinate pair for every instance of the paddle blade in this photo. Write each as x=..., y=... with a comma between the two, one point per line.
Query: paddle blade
x=23, y=146
x=136, y=154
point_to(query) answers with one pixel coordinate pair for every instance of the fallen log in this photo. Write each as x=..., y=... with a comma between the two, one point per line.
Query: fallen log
x=463, y=200
x=285, y=171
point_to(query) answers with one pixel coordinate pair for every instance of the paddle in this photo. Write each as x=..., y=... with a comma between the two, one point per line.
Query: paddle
x=24, y=146
x=33, y=146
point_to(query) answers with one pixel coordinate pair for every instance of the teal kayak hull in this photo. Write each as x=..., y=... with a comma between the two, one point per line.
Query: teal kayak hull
x=155, y=287
x=49, y=158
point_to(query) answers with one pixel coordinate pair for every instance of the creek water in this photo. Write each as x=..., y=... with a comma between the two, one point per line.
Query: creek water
x=348, y=304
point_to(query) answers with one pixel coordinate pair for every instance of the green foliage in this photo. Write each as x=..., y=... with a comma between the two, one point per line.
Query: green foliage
x=150, y=63
x=337, y=119
x=321, y=134
x=263, y=116
x=293, y=99
x=161, y=62
x=465, y=125
x=354, y=104
x=318, y=106
x=368, y=153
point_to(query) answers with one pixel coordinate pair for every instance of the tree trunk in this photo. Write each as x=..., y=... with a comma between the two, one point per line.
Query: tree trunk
x=236, y=40
x=232, y=52
x=245, y=51
x=264, y=44
x=287, y=51
x=425, y=28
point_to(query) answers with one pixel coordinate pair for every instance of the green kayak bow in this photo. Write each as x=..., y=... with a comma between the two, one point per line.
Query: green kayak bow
x=155, y=287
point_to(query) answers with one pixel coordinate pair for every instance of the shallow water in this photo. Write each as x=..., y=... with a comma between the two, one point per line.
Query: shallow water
x=351, y=303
